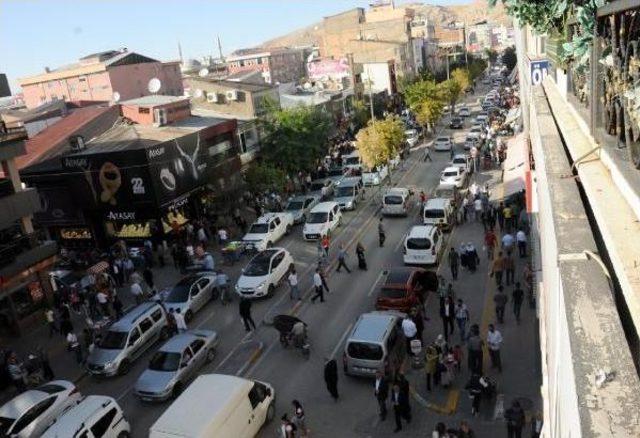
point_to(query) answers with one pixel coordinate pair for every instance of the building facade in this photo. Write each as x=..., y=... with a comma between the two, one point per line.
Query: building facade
x=99, y=76
x=277, y=65
x=4, y=86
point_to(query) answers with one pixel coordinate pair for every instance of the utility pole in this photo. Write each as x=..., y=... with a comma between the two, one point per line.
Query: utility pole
x=219, y=48
x=464, y=41
x=447, y=66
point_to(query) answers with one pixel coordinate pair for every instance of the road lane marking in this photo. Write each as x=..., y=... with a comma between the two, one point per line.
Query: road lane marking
x=400, y=242
x=248, y=371
x=342, y=338
x=375, y=283
x=213, y=312
x=253, y=359
x=228, y=356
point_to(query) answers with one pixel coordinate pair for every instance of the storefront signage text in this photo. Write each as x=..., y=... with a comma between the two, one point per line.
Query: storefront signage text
x=121, y=215
x=154, y=153
x=76, y=162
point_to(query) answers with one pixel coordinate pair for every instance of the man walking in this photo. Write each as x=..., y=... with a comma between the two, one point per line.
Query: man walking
x=500, y=300
x=342, y=254
x=454, y=262
x=494, y=340
x=497, y=268
x=410, y=331
x=381, y=392
x=474, y=350
x=317, y=283
x=517, y=297
x=294, y=292
x=431, y=365
x=181, y=324
x=521, y=239
x=490, y=242
x=331, y=377
x=245, y=314
x=381, y=234
x=427, y=154
x=515, y=420
x=510, y=267
x=462, y=317
x=222, y=283
x=51, y=321
x=447, y=312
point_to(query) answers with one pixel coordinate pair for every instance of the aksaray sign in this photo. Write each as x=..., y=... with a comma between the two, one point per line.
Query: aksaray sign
x=330, y=68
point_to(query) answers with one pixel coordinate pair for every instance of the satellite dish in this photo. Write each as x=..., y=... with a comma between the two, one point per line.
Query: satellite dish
x=203, y=72
x=116, y=96
x=306, y=85
x=154, y=85
x=199, y=93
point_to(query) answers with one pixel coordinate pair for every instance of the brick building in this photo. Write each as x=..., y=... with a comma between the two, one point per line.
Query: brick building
x=277, y=65
x=4, y=86
x=98, y=76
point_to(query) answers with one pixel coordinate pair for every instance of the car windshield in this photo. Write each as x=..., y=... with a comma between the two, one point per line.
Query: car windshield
x=165, y=361
x=179, y=293
x=344, y=191
x=294, y=205
x=5, y=425
x=450, y=173
x=352, y=160
x=114, y=340
x=317, y=186
x=393, y=293
x=418, y=243
x=393, y=200
x=317, y=218
x=442, y=139
x=259, y=229
x=335, y=171
x=460, y=161
x=433, y=213
x=257, y=268
x=364, y=350
x=51, y=389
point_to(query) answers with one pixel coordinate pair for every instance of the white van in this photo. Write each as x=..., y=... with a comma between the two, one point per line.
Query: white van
x=352, y=161
x=423, y=245
x=438, y=211
x=375, y=176
x=322, y=219
x=396, y=202
x=217, y=406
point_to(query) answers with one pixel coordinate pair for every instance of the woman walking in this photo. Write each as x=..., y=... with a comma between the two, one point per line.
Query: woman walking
x=362, y=263
x=299, y=418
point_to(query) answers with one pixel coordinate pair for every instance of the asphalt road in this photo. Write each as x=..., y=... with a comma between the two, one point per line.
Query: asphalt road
x=260, y=356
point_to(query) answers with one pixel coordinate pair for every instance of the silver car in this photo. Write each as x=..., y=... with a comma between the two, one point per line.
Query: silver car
x=175, y=364
x=191, y=294
x=300, y=206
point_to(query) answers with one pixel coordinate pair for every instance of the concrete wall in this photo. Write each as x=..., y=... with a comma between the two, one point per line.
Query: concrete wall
x=379, y=75
x=94, y=86
x=131, y=81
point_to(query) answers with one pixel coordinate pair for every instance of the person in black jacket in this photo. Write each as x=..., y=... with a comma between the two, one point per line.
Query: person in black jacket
x=331, y=377
x=245, y=314
x=447, y=313
x=515, y=420
x=381, y=391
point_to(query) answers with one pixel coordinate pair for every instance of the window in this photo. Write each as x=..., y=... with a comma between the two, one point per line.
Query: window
x=156, y=315
x=277, y=221
x=82, y=79
x=277, y=260
x=197, y=345
x=257, y=394
x=134, y=336
x=308, y=202
x=102, y=425
x=33, y=414
x=145, y=325
x=365, y=350
x=272, y=225
x=143, y=110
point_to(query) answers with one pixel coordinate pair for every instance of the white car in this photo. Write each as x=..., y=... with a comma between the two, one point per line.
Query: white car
x=268, y=229
x=423, y=245
x=352, y=161
x=375, y=176
x=300, y=206
x=442, y=144
x=29, y=414
x=461, y=161
x=265, y=271
x=94, y=416
x=476, y=131
x=191, y=294
x=471, y=141
x=482, y=119
x=322, y=219
x=453, y=175
x=412, y=137
x=464, y=112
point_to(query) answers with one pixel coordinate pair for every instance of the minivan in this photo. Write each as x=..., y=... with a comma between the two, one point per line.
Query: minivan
x=438, y=211
x=349, y=192
x=449, y=191
x=423, y=245
x=376, y=343
x=218, y=406
x=396, y=202
x=94, y=416
x=352, y=161
x=127, y=338
x=375, y=176
x=322, y=219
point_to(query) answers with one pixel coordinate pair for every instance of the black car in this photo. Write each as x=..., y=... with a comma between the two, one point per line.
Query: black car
x=456, y=123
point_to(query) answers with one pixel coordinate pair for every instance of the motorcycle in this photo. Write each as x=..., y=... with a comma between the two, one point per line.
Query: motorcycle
x=293, y=332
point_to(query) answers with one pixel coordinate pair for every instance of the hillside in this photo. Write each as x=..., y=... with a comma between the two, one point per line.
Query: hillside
x=474, y=11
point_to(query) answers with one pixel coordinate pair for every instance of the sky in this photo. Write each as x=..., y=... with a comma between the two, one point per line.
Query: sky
x=49, y=33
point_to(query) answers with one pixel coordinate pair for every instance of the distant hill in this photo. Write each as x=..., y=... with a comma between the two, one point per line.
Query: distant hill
x=472, y=12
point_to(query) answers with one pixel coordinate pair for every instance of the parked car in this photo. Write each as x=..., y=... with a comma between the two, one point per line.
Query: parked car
x=264, y=273
x=191, y=294
x=423, y=245
x=349, y=192
x=460, y=160
x=471, y=141
x=443, y=144
x=464, y=112
x=453, y=175
x=405, y=288
x=29, y=414
x=352, y=161
x=322, y=187
x=268, y=229
x=175, y=364
x=450, y=192
x=439, y=212
x=395, y=201
x=456, y=123
x=218, y=406
x=412, y=136
x=94, y=416
x=127, y=338
x=375, y=176
x=300, y=206
x=476, y=131
x=322, y=219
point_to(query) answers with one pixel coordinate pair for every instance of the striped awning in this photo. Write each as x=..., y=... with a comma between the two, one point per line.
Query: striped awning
x=98, y=268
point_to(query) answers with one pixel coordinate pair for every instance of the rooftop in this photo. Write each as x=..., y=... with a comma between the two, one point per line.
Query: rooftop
x=251, y=87
x=154, y=100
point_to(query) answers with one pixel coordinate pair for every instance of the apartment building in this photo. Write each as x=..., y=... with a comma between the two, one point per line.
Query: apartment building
x=277, y=65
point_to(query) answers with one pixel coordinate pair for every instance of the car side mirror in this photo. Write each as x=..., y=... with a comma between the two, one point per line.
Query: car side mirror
x=184, y=364
x=131, y=342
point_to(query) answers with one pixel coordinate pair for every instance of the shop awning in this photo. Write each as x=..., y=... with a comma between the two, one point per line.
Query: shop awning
x=516, y=169
x=512, y=115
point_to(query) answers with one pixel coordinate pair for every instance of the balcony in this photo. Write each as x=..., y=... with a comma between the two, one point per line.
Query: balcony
x=17, y=205
x=12, y=142
x=24, y=252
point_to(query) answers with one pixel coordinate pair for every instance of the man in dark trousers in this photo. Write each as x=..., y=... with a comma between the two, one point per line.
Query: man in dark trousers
x=474, y=350
x=245, y=314
x=500, y=300
x=515, y=420
x=381, y=392
x=447, y=313
x=331, y=377
x=517, y=296
x=454, y=262
x=381, y=233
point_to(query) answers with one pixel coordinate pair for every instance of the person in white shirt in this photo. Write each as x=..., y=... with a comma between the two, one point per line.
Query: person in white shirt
x=222, y=237
x=521, y=238
x=494, y=340
x=294, y=292
x=410, y=331
x=181, y=324
x=477, y=205
x=317, y=283
x=103, y=302
x=507, y=242
x=136, y=291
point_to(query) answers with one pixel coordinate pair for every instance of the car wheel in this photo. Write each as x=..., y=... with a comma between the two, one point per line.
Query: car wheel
x=287, y=230
x=211, y=354
x=124, y=367
x=271, y=290
x=164, y=333
x=124, y=434
x=177, y=389
x=188, y=316
x=271, y=413
x=269, y=244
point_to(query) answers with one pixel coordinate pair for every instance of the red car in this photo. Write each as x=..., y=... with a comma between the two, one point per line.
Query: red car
x=405, y=288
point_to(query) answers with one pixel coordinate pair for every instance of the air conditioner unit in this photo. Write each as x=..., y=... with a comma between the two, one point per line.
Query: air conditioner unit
x=232, y=95
x=77, y=143
x=160, y=116
x=212, y=97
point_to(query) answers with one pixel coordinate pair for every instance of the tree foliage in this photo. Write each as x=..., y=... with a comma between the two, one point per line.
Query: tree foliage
x=380, y=141
x=262, y=176
x=295, y=138
x=361, y=113
x=491, y=55
x=476, y=68
x=450, y=91
x=463, y=77
x=426, y=100
x=509, y=58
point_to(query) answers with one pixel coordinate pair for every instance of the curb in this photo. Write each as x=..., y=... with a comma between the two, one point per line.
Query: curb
x=252, y=359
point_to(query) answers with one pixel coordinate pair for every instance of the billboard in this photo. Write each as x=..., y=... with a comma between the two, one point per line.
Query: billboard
x=328, y=68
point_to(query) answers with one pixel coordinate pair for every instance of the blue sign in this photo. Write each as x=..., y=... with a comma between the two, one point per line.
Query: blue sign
x=539, y=71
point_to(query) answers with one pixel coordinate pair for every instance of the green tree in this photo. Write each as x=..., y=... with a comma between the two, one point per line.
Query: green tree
x=361, y=113
x=262, y=176
x=425, y=98
x=380, y=141
x=450, y=91
x=491, y=55
x=295, y=138
x=476, y=68
x=509, y=58
x=462, y=77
